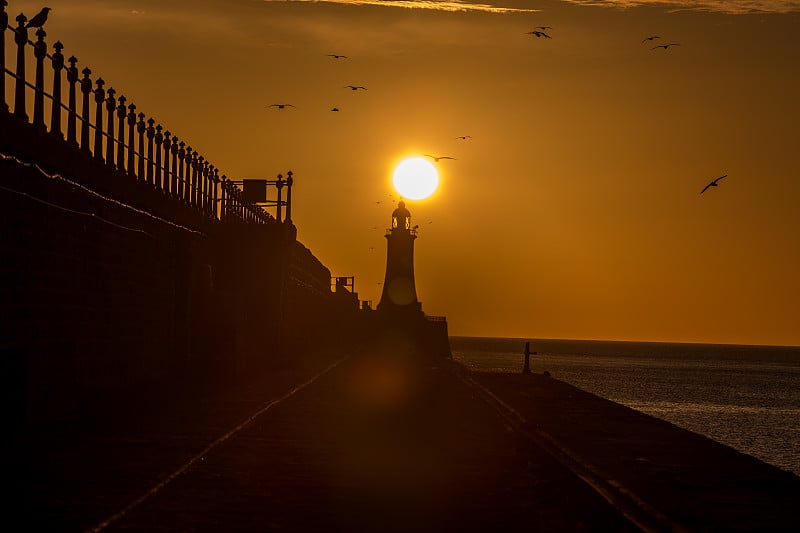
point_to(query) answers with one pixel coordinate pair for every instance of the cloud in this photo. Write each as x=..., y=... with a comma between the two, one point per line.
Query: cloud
x=720, y=6
x=435, y=5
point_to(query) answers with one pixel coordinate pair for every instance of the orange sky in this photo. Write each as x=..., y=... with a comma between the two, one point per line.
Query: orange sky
x=573, y=212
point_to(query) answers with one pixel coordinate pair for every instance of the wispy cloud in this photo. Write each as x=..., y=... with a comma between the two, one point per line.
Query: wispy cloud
x=435, y=5
x=720, y=6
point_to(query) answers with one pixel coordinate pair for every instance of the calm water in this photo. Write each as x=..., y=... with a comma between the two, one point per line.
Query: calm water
x=747, y=397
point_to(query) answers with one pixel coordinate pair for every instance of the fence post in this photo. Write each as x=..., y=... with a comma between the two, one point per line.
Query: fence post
x=72, y=78
x=289, y=183
x=3, y=26
x=195, y=181
x=131, y=150
x=159, y=140
x=151, y=132
x=223, y=198
x=99, y=98
x=279, y=185
x=55, y=109
x=167, y=145
x=141, y=129
x=202, y=178
x=21, y=38
x=121, y=114
x=39, y=52
x=183, y=172
x=111, y=106
x=86, y=89
x=174, y=166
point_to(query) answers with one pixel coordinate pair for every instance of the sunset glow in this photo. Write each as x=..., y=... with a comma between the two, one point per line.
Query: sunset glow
x=415, y=178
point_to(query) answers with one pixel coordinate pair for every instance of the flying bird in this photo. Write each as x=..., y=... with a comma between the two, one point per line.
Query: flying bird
x=651, y=38
x=334, y=109
x=539, y=34
x=665, y=46
x=440, y=157
x=355, y=87
x=464, y=137
x=337, y=56
x=39, y=18
x=280, y=106
x=713, y=183
x=543, y=28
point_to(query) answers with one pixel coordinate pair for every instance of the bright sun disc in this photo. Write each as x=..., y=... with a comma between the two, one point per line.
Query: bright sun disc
x=415, y=178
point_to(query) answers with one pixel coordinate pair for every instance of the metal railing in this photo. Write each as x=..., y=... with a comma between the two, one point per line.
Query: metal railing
x=128, y=142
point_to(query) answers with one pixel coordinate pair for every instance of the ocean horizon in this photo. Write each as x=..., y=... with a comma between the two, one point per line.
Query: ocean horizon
x=744, y=396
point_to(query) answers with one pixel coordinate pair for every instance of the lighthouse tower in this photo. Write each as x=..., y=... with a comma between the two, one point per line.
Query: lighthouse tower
x=399, y=297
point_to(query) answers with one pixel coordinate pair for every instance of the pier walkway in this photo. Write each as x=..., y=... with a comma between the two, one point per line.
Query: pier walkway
x=380, y=443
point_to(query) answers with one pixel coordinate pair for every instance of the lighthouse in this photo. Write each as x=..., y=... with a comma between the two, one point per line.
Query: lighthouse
x=399, y=297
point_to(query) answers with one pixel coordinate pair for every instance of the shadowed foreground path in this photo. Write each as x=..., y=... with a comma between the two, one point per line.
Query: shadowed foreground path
x=377, y=443
x=374, y=445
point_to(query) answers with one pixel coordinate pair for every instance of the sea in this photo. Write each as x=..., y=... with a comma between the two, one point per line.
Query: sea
x=746, y=397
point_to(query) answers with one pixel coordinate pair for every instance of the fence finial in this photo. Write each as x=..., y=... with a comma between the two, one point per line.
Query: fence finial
x=21, y=38
x=99, y=98
x=55, y=112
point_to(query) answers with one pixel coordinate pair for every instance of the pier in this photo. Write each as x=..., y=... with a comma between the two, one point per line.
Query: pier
x=175, y=360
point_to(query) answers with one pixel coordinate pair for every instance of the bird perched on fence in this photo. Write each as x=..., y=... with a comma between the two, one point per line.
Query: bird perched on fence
x=280, y=106
x=355, y=87
x=665, y=46
x=39, y=18
x=713, y=183
x=440, y=157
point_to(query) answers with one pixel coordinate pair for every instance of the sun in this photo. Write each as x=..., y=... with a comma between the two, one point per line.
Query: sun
x=415, y=178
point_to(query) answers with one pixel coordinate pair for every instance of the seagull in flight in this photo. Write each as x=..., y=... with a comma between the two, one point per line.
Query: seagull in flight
x=337, y=56
x=464, y=137
x=543, y=28
x=713, y=183
x=39, y=18
x=355, y=87
x=280, y=106
x=334, y=109
x=440, y=157
x=539, y=34
x=665, y=46
x=651, y=38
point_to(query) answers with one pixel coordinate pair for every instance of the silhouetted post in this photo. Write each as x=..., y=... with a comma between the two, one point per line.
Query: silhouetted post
x=111, y=106
x=174, y=167
x=527, y=368
x=55, y=110
x=131, y=145
x=39, y=52
x=217, y=193
x=72, y=78
x=181, y=174
x=159, y=140
x=195, y=180
x=189, y=170
x=223, y=199
x=21, y=38
x=151, y=133
x=99, y=99
x=3, y=26
x=167, y=148
x=122, y=112
x=202, y=169
x=279, y=185
x=289, y=183
x=86, y=89
x=141, y=129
